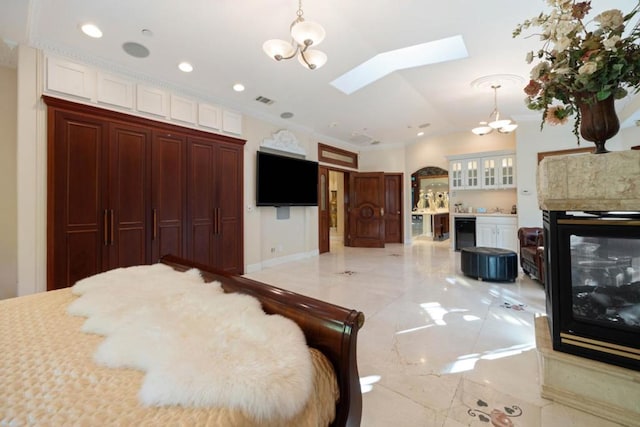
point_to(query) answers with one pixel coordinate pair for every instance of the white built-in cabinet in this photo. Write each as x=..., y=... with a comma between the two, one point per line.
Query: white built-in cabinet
x=498, y=171
x=489, y=170
x=86, y=84
x=497, y=232
x=464, y=174
x=456, y=175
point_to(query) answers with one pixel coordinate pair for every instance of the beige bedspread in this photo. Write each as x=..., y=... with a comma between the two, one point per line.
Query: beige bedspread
x=48, y=377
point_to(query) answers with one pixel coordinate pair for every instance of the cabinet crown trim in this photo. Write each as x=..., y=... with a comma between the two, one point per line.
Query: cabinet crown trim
x=481, y=155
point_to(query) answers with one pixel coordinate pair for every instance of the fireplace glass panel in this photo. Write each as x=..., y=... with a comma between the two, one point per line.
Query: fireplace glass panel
x=605, y=278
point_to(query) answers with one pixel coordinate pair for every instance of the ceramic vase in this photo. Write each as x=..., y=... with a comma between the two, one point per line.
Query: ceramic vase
x=599, y=121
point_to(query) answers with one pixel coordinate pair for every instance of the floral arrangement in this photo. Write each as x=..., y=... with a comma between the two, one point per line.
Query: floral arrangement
x=581, y=60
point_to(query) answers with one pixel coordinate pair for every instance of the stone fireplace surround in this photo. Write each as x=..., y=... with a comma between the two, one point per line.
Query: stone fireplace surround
x=587, y=182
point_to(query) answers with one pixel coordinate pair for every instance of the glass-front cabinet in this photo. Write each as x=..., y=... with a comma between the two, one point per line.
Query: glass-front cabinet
x=473, y=174
x=456, y=175
x=488, y=170
x=507, y=171
x=465, y=174
x=499, y=172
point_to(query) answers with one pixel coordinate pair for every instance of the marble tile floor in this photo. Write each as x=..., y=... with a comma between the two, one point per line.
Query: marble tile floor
x=437, y=348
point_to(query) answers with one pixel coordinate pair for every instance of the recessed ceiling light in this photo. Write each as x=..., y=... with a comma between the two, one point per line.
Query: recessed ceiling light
x=238, y=87
x=186, y=67
x=146, y=32
x=420, y=133
x=91, y=30
x=286, y=115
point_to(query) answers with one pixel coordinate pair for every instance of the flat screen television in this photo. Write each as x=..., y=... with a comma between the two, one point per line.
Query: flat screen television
x=285, y=181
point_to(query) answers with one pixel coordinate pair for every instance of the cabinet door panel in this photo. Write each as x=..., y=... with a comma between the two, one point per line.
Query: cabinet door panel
x=200, y=245
x=485, y=235
x=79, y=257
x=472, y=169
x=228, y=238
x=200, y=195
x=507, y=236
x=168, y=195
x=456, y=176
x=507, y=172
x=75, y=198
x=128, y=195
x=489, y=172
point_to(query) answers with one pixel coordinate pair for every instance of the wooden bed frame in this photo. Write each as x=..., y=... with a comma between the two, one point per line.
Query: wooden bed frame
x=329, y=328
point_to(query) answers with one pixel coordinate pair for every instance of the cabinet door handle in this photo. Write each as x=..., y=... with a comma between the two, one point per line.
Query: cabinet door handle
x=155, y=224
x=112, y=226
x=218, y=225
x=105, y=227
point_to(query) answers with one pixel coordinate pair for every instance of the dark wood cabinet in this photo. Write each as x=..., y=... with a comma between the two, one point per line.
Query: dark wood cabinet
x=202, y=206
x=169, y=195
x=127, y=197
x=214, y=210
x=78, y=218
x=441, y=226
x=124, y=191
x=230, y=229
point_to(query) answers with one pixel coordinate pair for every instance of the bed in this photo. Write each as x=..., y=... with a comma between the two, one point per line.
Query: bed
x=41, y=383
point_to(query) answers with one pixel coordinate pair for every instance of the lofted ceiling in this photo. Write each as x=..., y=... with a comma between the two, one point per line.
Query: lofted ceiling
x=223, y=40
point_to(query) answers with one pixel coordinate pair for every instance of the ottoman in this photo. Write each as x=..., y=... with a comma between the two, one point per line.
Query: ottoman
x=500, y=265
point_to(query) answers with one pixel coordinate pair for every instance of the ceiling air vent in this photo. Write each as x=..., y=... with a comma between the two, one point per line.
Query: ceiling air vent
x=360, y=138
x=265, y=100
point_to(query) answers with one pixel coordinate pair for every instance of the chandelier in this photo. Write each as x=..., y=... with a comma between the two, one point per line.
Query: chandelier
x=495, y=122
x=303, y=35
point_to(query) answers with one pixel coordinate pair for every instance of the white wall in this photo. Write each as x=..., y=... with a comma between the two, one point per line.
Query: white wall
x=31, y=174
x=630, y=137
x=8, y=183
x=390, y=160
x=268, y=240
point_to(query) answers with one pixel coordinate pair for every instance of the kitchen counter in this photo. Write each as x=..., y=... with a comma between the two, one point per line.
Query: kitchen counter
x=476, y=214
x=494, y=230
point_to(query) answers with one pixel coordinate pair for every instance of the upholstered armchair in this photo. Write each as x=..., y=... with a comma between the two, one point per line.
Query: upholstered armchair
x=532, y=252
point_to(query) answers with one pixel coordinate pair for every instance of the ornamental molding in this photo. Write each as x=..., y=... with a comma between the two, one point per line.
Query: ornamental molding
x=284, y=140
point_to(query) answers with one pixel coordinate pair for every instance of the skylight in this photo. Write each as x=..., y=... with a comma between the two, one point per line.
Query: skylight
x=442, y=50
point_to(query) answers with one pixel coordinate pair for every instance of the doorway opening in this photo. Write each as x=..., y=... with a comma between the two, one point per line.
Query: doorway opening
x=336, y=208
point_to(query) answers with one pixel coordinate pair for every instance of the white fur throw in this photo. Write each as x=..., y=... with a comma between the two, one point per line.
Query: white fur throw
x=197, y=345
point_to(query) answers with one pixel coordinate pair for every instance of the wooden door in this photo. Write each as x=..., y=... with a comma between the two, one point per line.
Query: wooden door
x=168, y=195
x=128, y=195
x=77, y=214
x=366, y=210
x=229, y=214
x=323, y=209
x=393, y=208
